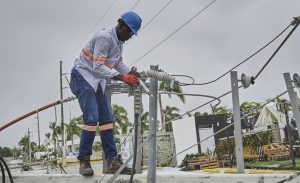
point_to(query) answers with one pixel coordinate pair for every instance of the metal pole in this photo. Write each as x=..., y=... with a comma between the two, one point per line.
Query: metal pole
x=288, y=128
x=151, y=177
x=138, y=109
x=293, y=99
x=108, y=92
x=237, y=123
x=62, y=113
x=38, y=123
x=29, y=147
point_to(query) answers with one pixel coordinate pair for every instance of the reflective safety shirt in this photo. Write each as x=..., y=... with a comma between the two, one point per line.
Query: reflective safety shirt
x=101, y=58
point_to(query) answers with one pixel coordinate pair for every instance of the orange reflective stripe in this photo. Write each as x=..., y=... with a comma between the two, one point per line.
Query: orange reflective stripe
x=109, y=65
x=106, y=127
x=89, y=128
x=96, y=59
x=99, y=59
x=86, y=54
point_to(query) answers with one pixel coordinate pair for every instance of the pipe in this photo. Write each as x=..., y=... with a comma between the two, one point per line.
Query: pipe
x=6, y=125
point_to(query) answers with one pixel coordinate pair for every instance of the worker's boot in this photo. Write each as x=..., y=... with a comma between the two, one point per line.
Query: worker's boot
x=85, y=168
x=115, y=164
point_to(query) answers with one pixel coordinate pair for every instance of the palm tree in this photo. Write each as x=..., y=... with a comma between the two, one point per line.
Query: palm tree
x=247, y=107
x=197, y=113
x=121, y=119
x=164, y=86
x=97, y=147
x=24, y=143
x=79, y=120
x=47, y=135
x=55, y=133
x=280, y=101
x=169, y=114
x=219, y=110
x=144, y=122
x=71, y=130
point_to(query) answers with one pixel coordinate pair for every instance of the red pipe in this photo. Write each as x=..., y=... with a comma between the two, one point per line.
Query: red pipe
x=35, y=111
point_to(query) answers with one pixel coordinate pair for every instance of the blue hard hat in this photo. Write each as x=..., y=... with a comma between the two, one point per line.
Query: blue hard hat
x=132, y=20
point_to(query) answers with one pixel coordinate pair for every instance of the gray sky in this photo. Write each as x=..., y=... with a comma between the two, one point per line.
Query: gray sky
x=36, y=34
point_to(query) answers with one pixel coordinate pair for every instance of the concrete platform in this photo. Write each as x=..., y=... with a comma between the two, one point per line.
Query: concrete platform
x=161, y=178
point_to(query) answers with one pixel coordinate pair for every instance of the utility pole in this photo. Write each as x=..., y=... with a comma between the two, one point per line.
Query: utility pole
x=138, y=108
x=29, y=147
x=38, y=123
x=62, y=111
x=151, y=177
x=237, y=123
x=284, y=107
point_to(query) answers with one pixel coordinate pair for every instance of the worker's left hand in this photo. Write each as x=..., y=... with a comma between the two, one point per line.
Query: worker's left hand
x=135, y=72
x=130, y=79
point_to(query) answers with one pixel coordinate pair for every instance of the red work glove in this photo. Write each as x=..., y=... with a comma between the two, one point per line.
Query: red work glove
x=130, y=79
x=134, y=72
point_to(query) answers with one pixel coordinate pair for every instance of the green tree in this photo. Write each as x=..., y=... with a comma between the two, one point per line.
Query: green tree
x=47, y=135
x=280, y=101
x=197, y=114
x=71, y=130
x=121, y=119
x=16, y=152
x=247, y=107
x=144, y=122
x=97, y=147
x=24, y=144
x=219, y=110
x=6, y=152
x=165, y=86
x=56, y=131
x=169, y=114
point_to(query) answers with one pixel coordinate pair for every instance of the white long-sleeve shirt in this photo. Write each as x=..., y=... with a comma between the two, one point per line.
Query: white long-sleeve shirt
x=101, y=58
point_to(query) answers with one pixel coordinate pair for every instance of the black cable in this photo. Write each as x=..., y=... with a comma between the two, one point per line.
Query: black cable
x=7, y=169
x=227, y=125
x=3, y=173
x=282, y=43
x=136, y=118
x=99, y=21
x=62, y=168
x=161, y=10
x=135, y=4
x=212, y=81
x=158, y=44
x=184, y=84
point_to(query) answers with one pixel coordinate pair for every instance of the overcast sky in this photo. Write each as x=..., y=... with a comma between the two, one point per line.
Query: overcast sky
x=36, y=34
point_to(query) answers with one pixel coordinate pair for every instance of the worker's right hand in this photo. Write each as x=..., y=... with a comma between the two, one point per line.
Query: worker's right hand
x=130, y=79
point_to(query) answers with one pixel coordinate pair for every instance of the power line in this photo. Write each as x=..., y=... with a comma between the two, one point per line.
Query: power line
x=165, y=39
x=255, y=110
x=282, y=43
x=87, y=35
x=212, y=81
x=188, y=112
x=192, y=94
x=135, y=5
x=161, y=10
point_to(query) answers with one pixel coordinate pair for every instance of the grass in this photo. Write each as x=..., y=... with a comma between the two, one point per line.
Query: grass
x=282, y=165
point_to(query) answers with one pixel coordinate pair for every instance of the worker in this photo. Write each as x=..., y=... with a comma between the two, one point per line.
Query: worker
x=99, y=60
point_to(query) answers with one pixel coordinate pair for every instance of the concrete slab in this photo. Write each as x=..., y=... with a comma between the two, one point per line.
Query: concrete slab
x=161, y=178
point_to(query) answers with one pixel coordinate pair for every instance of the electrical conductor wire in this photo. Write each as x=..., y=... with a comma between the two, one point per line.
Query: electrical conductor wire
x=225, y=127
x=165, y=39
x=262, y=48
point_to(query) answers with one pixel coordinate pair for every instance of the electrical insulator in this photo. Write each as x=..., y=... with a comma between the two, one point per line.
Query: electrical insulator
x=161, y=76
x=296, y=80
x=246, y=80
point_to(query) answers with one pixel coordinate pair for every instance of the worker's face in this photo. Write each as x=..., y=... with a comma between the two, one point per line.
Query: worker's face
x=124, y=32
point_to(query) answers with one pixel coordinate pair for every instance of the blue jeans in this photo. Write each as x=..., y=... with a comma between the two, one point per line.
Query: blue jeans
x=95, y=108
